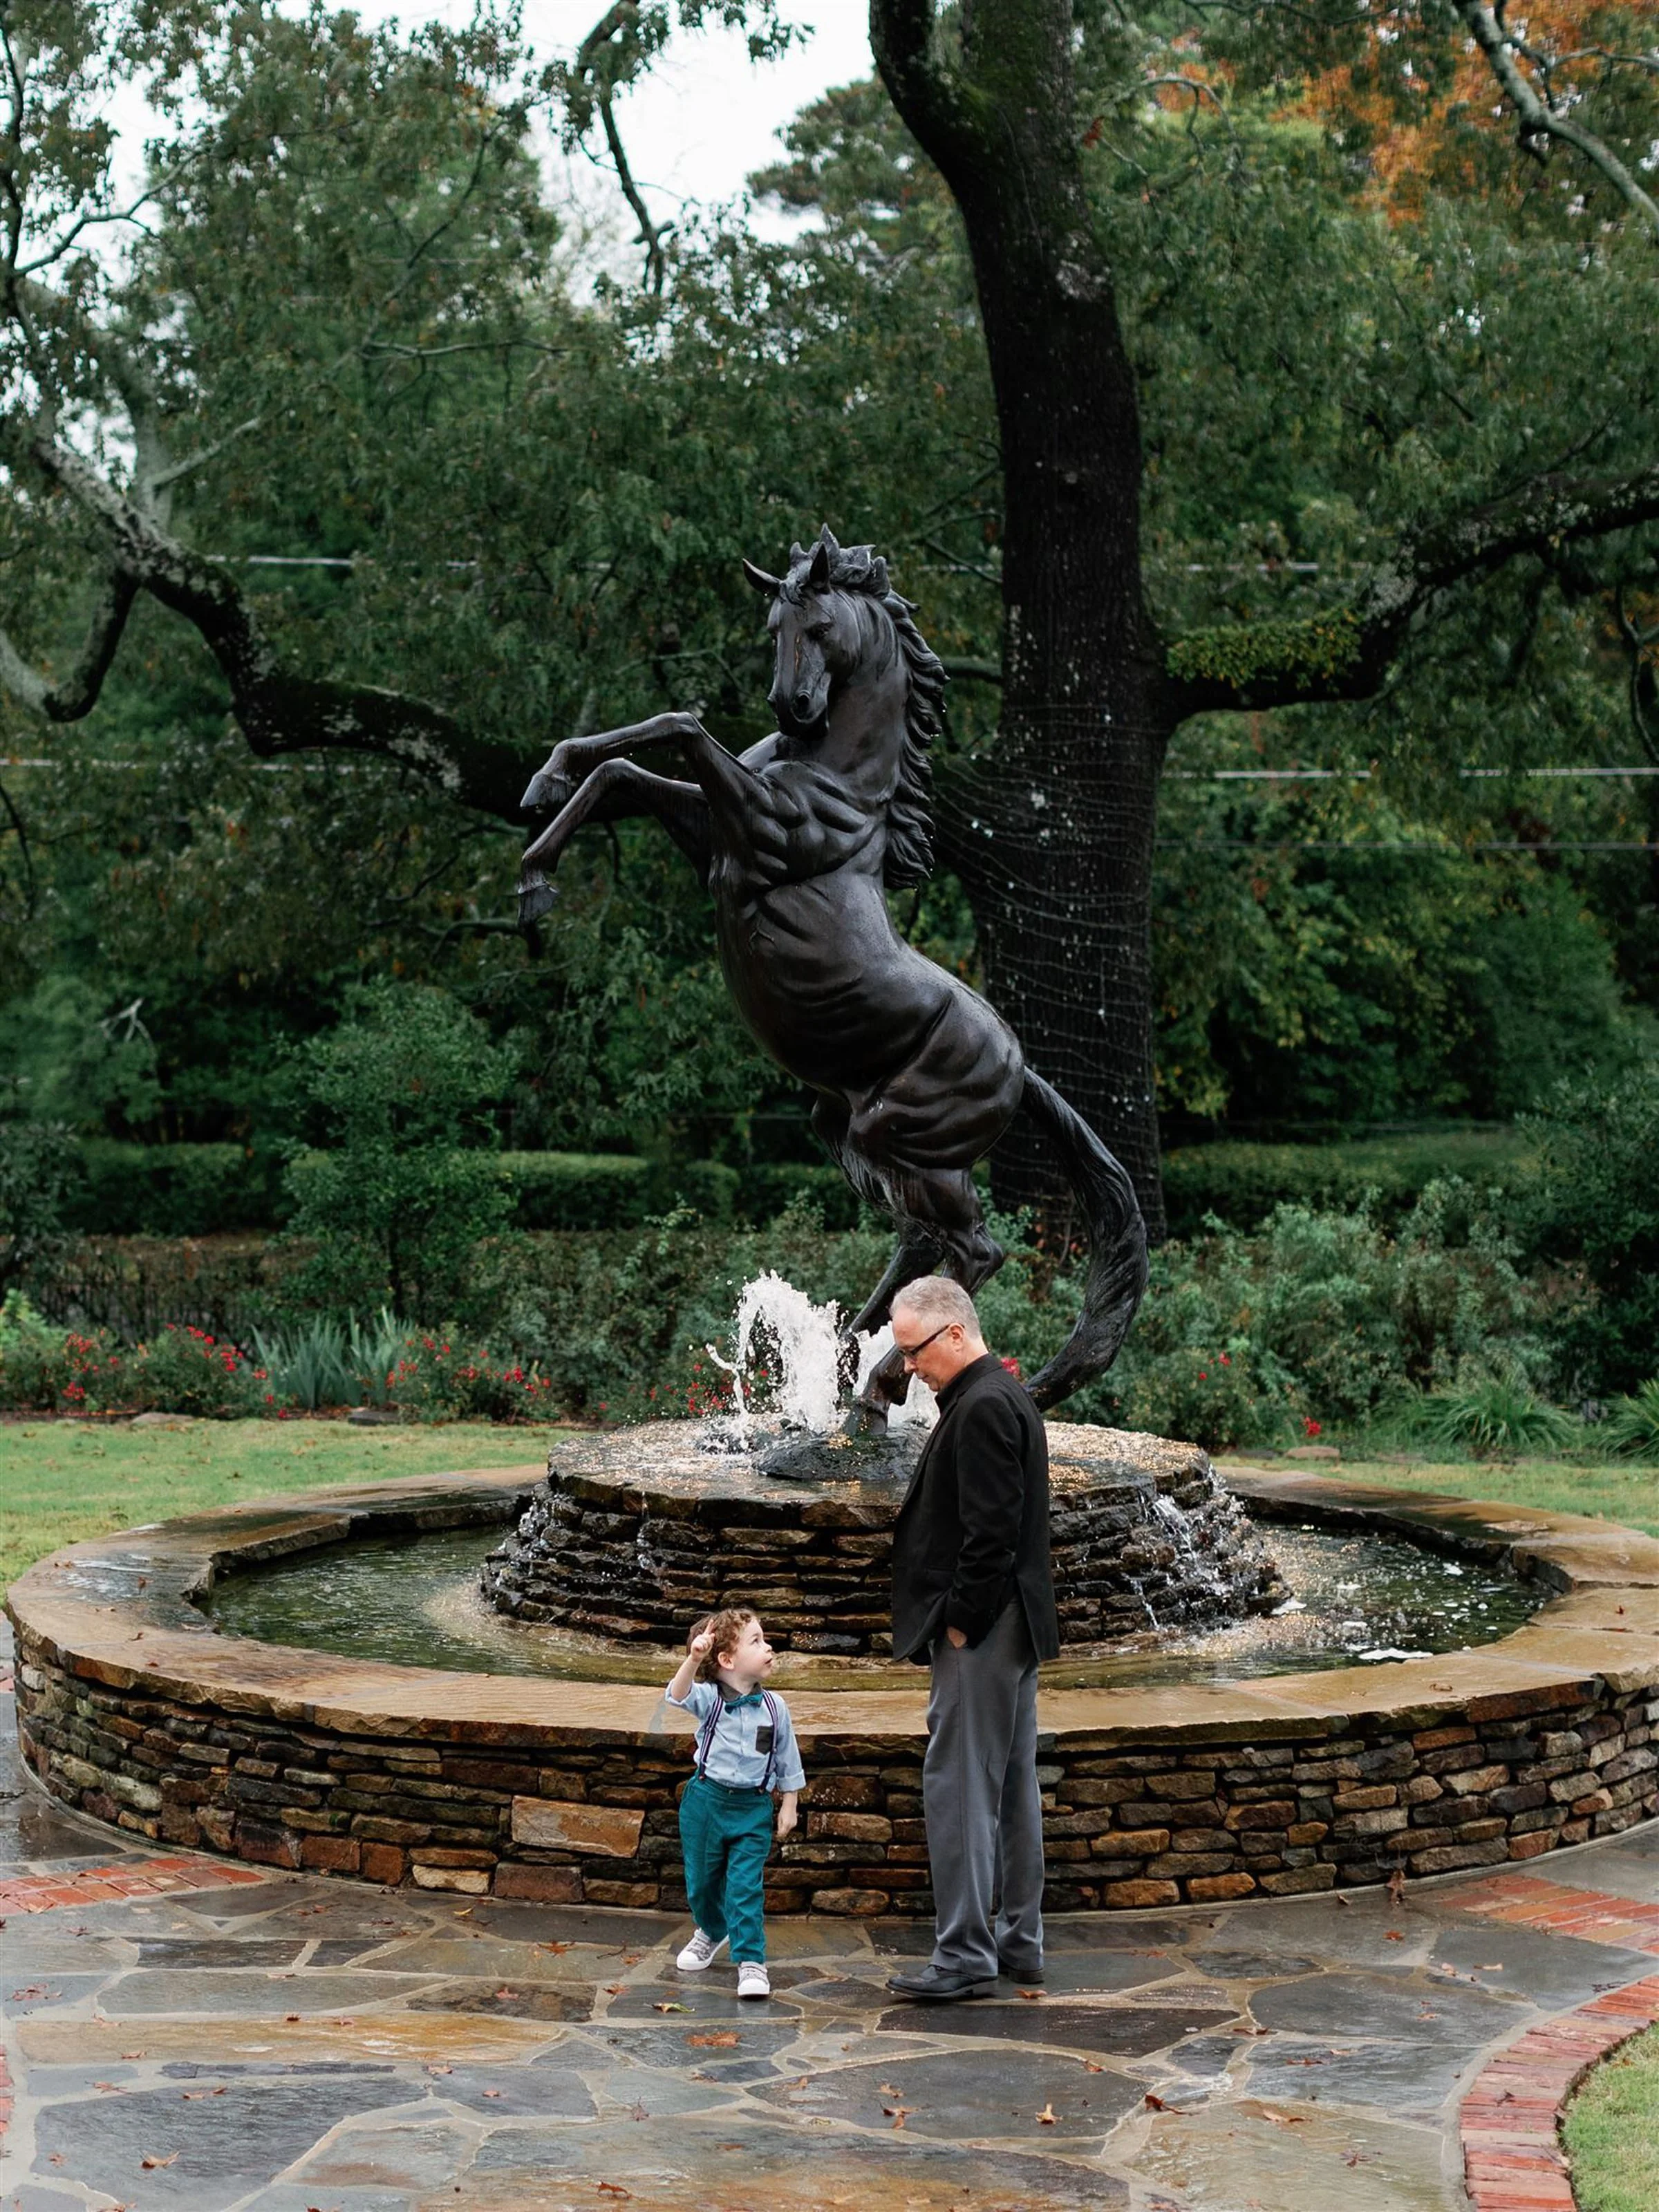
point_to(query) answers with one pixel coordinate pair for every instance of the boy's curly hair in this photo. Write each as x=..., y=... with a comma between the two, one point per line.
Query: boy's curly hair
x=725, y=1627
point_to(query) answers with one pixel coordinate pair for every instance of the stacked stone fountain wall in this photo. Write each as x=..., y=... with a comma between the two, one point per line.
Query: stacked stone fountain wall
x=632, y=1542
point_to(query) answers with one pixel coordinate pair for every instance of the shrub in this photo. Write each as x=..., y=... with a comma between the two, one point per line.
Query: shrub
x=309, y=1364
x=37, y=1168
x=47, y=1369
x=1497, y=1415
x=1595, y=1214
x=400, y=1206
x=1242, y=1183
x=1632, y=1423
x=185, y=1371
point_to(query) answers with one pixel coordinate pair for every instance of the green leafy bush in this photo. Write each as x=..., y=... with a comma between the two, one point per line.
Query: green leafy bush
x=1594, y=1216
x=1242, y=1183
x=400, y=1205
x=1496, y=1415
x=186, y=1370
x=309, y=1363
x=1632, y=1423
x=174, y=1190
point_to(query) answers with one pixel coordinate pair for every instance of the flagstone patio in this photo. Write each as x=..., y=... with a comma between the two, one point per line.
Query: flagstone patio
x=185, y=2034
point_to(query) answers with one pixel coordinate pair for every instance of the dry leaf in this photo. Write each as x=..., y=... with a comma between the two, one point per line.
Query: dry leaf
x=464, y=1912
x=887, y=2088
x=614, y=2188
x=1033, y=1995
x=126, y=2054
x=290, y=2015
x=613, y=1989
x=150, y=2164
x=492, y=2093
x=555, y=1947
x=505, y=1993
x=191, y=2096
x=1283, y=2120
x=1088, y=2067
x=1397, y=1886
x=897, y=2113
x=1046, y=2117
x=671, y=2007
x=1394, y=1935
x=113, y=2087
x=726, y=2040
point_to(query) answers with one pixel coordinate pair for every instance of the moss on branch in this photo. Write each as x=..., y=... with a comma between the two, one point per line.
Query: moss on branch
x=1315, y=651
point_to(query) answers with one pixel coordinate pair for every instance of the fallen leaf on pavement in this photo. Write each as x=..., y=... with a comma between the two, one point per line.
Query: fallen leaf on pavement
x=613, y=1989
x=1397, y=1886
x=1394, y=1935
x=1283, y=2120
x=114, y=2087
x=1153, y=2104
x=897, y=2113
x=887, y=2088
x=492, y=2093
x=614, y=2188
x=506, y=1993
x=1032, y=1994
x=555, y=1947
x=1046, y=2117
x=671, y=2007
x=126, y=2054
x=727, y=2040
x=191, y=2096
x=149, y=2164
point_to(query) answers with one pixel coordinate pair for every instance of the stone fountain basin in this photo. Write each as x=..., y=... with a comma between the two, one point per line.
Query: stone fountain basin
x=133, y=1710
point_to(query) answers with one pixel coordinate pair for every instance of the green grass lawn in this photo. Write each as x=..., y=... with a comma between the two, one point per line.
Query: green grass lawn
x=1607, y=1489
x=1612, y=2131
x=61, y=1480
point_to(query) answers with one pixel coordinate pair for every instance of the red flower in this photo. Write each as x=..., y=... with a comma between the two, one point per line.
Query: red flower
x=1310, y=1427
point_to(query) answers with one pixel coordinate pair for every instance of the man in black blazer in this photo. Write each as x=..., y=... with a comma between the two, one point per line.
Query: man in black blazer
x=973, y=1596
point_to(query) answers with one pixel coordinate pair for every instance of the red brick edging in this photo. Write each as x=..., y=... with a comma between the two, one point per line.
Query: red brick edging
x=45, y=1892
x=1511, y=2120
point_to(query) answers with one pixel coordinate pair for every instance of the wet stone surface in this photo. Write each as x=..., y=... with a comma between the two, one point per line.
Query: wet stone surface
x=293, y=2043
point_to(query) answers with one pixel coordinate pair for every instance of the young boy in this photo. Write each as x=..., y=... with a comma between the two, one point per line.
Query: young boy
x=746, y=1750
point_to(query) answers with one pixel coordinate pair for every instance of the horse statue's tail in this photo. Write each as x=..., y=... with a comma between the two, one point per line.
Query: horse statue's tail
x=1117, y=1245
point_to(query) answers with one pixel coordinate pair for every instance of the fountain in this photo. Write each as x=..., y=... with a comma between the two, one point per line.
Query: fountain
x=637, y=1531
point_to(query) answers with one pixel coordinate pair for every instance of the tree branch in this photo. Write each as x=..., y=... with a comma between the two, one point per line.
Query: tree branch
x=1345, y=652
x=278, y=713
x=76, y=695
x=1541, y=119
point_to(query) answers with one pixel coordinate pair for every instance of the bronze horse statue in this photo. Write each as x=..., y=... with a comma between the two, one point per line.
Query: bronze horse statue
x=798, y=839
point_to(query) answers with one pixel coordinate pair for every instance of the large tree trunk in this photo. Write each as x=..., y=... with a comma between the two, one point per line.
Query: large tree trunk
x=1052, y=835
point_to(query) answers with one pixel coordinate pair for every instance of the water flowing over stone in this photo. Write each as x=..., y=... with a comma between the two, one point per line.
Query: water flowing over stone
x=636, y=1533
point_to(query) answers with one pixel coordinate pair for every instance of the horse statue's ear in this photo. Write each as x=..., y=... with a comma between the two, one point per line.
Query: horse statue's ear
x=818, y=576
x=797, y=554
x=761, y=581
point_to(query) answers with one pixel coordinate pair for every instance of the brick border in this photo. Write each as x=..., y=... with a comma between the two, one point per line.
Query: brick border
x=1511, y=2121
x=138, y=1878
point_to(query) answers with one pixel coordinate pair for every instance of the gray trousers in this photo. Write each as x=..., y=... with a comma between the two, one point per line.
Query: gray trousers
x=983, y=1803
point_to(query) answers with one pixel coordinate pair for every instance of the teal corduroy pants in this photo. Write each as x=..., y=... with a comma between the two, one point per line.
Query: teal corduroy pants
x=726, y=1836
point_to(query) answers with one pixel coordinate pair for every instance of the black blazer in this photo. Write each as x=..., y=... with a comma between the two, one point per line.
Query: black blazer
x=973, y=1530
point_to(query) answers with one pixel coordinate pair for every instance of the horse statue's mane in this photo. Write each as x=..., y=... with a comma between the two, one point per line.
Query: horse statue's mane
x=862, y=572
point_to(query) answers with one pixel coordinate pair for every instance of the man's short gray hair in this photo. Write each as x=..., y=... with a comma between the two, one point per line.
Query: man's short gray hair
x=936, y=1301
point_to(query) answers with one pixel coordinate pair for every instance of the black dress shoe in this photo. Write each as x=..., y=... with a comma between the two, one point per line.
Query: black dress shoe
x=930, y=1985
x=1031, y=1976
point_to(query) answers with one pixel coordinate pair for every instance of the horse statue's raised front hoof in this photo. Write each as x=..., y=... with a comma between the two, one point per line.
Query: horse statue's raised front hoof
x=536, y=896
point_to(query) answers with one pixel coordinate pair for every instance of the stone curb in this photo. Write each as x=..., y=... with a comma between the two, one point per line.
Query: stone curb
x=566, y=1792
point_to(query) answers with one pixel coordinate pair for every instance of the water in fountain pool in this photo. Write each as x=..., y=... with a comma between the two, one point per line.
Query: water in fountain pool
x=415, y=1601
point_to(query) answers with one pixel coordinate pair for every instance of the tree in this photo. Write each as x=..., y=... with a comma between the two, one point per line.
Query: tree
x=351, y=251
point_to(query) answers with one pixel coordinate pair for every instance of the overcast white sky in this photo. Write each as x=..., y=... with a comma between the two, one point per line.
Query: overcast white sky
x=707, y=116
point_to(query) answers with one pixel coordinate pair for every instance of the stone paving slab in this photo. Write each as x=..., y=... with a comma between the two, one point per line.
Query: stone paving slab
x=276, y=2042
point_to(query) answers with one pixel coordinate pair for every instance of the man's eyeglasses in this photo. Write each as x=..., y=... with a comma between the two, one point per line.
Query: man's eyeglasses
x=909, y=1353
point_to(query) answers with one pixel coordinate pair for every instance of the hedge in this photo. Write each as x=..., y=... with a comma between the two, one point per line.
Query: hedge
x=208, y=1190
x=1242, y=1183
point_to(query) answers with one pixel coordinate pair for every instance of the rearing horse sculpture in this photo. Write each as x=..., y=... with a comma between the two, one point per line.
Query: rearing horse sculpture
x=915, y=1076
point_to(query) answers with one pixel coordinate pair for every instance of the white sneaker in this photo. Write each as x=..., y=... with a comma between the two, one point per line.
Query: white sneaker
x=701, y=1951
x=753, y=1980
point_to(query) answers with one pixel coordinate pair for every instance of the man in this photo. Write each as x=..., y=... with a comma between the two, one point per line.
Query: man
x=974, y=1594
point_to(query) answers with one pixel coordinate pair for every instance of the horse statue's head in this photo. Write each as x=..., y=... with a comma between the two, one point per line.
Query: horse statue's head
x=835, y=617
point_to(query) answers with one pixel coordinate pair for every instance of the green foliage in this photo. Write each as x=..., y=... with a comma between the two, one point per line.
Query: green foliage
x=1242, y=1183
x=174, y=1190
x=1595, y=1216
x=1244, y=654
x=308, y=1363
x=36, y=1170
x=181, y=1369
x=1495, y=1415
x=1632, y=1423
x=398, y=1206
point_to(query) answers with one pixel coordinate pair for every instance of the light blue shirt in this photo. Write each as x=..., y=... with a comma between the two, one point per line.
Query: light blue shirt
x=735, y=1757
